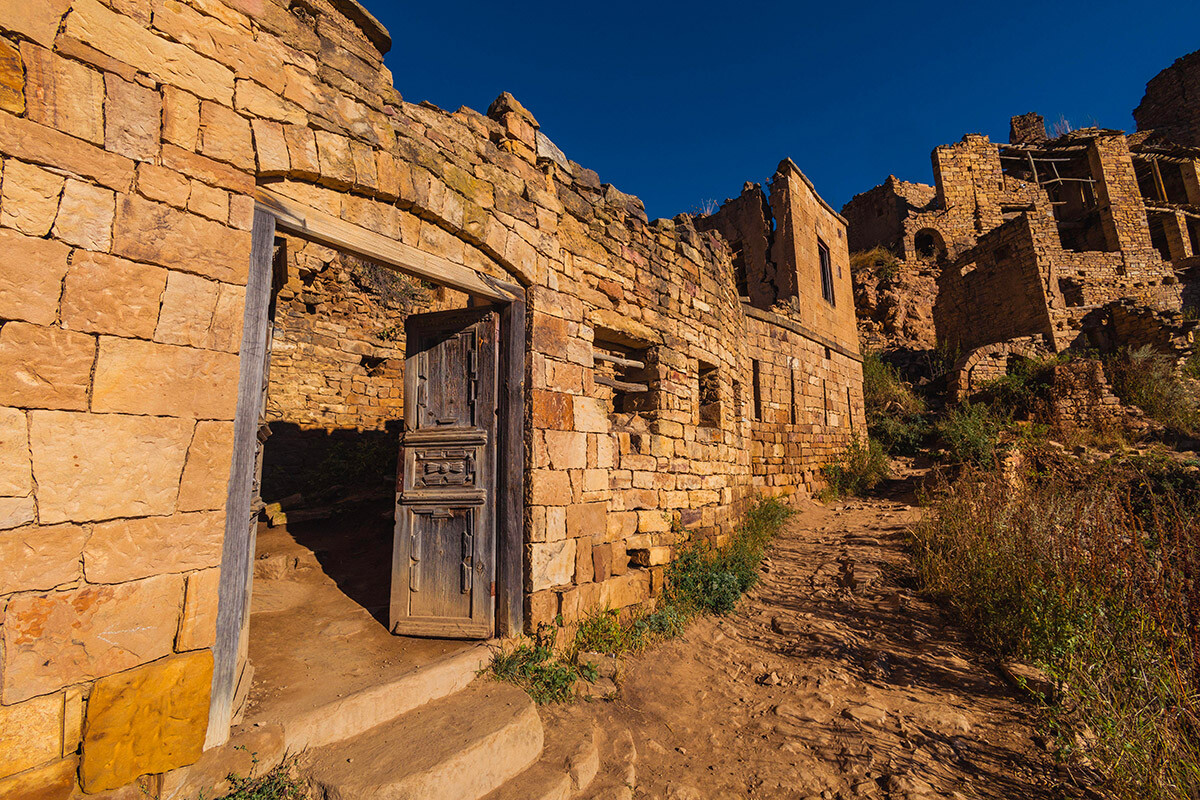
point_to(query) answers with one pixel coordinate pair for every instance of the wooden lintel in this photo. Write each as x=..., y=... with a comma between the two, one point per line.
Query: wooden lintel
x=620, y=362
x=317, y=226
x=623, y=386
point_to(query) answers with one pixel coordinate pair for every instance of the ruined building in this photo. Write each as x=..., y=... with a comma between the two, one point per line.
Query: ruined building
x=1040, y=242
x=238, y=264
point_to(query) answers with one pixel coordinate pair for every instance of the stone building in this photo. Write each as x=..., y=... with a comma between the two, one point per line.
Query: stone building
x=201, y=206
x=1036, y=238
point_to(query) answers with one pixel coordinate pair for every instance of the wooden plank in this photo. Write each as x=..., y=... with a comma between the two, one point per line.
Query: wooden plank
x=233, y=609
x=620, y=362
x=624, y=386
x=317, y=226
x=510, y=476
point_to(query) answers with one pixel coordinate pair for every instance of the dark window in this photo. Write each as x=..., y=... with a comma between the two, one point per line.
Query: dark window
x=826, y=273
x=756, y=378
x=792, y=376
x=627, y=375
x=709, y=395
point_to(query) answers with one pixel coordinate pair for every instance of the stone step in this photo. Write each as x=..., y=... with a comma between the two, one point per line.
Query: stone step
x=568, y=765
x=370, y=707
x=462, y=747
x=619, y=778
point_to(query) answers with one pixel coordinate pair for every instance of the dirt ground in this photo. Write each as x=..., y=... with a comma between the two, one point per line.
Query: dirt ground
x=832, y=679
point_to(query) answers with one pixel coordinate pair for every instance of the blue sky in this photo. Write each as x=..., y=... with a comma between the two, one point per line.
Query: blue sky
x=680, y=103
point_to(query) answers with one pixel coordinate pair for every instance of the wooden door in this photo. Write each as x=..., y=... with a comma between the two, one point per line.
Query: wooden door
x=443, y=558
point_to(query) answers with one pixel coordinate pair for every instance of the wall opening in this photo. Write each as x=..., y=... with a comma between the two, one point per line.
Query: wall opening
x=929, y=246
x=1193, y=230
x=826, y=272
x=625, y=377
x=708, y=394
x=756, y=386
x=1158, y=235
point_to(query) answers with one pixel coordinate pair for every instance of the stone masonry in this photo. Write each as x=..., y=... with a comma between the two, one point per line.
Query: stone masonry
x=133, y=135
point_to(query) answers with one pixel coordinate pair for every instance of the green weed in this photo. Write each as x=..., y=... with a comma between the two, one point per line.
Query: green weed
x=279, y=783
x=971, y=433
x=864, y=466
x=1147, y=379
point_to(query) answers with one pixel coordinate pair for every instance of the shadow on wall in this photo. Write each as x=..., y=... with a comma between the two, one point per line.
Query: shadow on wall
x=326, y=466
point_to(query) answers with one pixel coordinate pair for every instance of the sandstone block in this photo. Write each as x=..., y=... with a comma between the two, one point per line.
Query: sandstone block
x=205, y=482
x=337, y=163
x=137, y=377
x=54, y=640
x=125, y=550
x=133, y=119
x=164, y=185
x=172, y=63
x=270, y=147
x=218, y=35
x=24, y=139
x=44, y=367
x=259, y=102
x=39, y=21
x=198, y=626
x=225, y=135
x=85, y=216
x=651, y=556
x=567, y=449
x=148, y=720
x=105, y=294
x=590, y=414
x=30, y=198
x=583, y=562
x=16, y=511
x=551, y=564
x=552, y=410
x=209, y=201
x=602, y=562
x=159, y=234
x=587, y=519
x=12, y=78
x=31, y=281
x=63, y=94
x=302, y=152
x=36, y=559
x=632, y=587
x=16, y=476
x=549, y=488
x=211, y=171
x=181, y=118
x=31, y=732
x=101, y=466
x=51, y=782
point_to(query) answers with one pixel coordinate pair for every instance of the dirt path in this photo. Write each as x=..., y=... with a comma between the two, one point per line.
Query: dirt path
x=831, y=680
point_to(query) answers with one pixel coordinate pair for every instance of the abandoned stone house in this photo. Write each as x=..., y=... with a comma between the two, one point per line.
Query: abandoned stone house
x=1037, y=244
x=235, y=262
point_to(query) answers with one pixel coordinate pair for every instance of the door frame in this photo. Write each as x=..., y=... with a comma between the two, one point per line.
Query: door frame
x=274, y=212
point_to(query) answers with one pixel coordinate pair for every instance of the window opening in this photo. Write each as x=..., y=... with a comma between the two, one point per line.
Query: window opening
x=826, y=273
x=756, y=386
x=709, y=395
x=627, y=375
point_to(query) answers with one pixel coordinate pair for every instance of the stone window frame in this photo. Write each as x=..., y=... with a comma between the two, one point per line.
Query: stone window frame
x=708, y=394
x=825, y=261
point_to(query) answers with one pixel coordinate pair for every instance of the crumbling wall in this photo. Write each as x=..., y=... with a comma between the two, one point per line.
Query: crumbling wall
x=746, y=223
x=876, y=218
x=1078, y=397
x=1171, y=105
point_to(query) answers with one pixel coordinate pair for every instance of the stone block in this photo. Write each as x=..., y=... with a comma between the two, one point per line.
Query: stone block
x=270, y=148
x=31, y=281
x=132, y=119
x=45, y=367
x=551, y=564
x=337, y=163
x=225, y=332
x=39, y=21
x=651, y=556
x=187, y=310
x=225, y=136
x=103, y=466
x=63, y=94
x=27, y=140
x=602, y=562
x=583, y=562
x=32, y=733
x=181, y=118
x=125, y=39
x=52, y=782
x=36, y=559
x=626, y=590
x=164, y=185
x=128, y=549
x=58, y=639
x=552, y=410
x=148, y=720
x=302, y=152
x=16, y=475
x=12, y=78
x=16, y=511
x=198, y=625
x=653, y=521
x=205, y=482
x=159, y=234
x=590, y=414
x=106, y=294
x=137, y=377
x=587, y=519
x=566, y=449
x=85, y=216
x=259, y=102
x=549, y=488
x=30, y=197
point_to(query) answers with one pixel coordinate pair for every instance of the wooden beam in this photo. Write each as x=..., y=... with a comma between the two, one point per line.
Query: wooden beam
x=620, y=362
x=237, y=553
x=317, y=226
x=510, y=479
x=624, y=386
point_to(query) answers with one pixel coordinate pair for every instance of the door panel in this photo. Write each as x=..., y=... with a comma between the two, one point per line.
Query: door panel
x=443, y=567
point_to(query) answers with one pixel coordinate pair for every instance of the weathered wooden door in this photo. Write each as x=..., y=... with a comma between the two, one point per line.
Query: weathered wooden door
x=443, y=558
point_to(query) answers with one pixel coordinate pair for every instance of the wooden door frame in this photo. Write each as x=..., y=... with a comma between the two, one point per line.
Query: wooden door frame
x=272, y=213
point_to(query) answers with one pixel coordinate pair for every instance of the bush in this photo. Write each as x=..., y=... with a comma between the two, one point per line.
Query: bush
x=865, y=465
x=971, y=433
x=879, y=260
x=1062, y=569
x=895, y=413
x=535, y=668
x=279, y=783
x=1147, y=379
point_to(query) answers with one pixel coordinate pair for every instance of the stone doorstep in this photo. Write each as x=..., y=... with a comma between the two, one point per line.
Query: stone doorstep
x=462, y=746
x=567, y=767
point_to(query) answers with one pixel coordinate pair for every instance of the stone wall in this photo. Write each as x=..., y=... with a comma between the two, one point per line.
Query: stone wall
x=1170, y=106
x=133, y=136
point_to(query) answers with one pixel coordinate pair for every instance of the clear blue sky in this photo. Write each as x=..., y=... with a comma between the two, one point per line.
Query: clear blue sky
x=680, y=103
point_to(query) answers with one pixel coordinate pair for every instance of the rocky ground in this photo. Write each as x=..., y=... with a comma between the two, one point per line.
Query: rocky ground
x=831, y=680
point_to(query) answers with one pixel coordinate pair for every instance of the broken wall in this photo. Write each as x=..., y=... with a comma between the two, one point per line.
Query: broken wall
x=1171, y=105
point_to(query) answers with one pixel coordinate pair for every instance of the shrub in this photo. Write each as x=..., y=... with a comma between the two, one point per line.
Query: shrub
x=879, y=260
x=1063, y=570
x=971, y=433
x=535, y=668
x=279, y=783
x=1147, y=379
x=865, y=465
